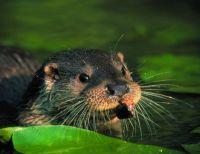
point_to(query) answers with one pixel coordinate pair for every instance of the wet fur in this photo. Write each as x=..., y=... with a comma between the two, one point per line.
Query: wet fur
x=153, y=103
x=16, y=72
x=44, y=106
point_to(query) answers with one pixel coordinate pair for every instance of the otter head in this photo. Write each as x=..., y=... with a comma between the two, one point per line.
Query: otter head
x=113, y=88
x=84, y=88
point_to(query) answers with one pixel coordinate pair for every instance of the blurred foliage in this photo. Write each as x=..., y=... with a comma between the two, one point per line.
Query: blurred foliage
x=139, y=28
x=174, y=70
x=150, y=26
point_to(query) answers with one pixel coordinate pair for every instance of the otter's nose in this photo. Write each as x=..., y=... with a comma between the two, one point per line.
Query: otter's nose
x=118, y=89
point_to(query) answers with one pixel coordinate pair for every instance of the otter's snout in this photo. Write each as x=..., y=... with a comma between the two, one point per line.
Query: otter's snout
x=117, y=89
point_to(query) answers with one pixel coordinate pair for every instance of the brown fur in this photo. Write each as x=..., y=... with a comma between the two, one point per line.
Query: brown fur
x=59, y=77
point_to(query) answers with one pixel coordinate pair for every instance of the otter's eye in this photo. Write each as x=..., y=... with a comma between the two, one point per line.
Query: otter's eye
x=84, y=77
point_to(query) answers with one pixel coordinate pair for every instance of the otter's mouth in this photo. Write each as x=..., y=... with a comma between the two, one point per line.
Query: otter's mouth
x=124, y=111
x=119, y=102
x=126, y=107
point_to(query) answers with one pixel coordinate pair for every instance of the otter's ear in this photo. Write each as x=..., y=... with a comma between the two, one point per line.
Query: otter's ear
x=51, y=71
x=124, y=69
x=120, y=57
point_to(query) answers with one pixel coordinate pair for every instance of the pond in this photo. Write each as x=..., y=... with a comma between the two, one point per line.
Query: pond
x=160, y=41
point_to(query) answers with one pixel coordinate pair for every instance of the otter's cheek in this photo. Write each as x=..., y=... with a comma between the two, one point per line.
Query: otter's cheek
x=98, y=99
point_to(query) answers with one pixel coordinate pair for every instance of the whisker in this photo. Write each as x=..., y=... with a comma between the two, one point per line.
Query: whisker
x=125, y=127
x=153, y=76
x=161, y=96
x=132, y=126
x=139, y=124
x=65, y=111
x=82, y=119
x=161, y=85
x=158, y=107
x=74, y=114
x=153, y=108
x=148, y=121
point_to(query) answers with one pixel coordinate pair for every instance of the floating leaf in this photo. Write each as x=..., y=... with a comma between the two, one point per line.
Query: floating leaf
x=192, y=148
x=71, y=140
x=6, y=133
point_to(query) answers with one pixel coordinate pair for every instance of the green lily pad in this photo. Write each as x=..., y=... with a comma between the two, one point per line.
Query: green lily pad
x=193, y=148
x=6, y=133
x=71, y=140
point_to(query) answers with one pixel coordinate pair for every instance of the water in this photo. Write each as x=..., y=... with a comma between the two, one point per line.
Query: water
x=144, y=30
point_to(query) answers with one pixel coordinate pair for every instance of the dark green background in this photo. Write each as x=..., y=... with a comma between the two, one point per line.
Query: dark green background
x=140, y=28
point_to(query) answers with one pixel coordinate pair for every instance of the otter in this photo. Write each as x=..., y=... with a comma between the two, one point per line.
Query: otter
x=92, y=89
x=86, y=88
